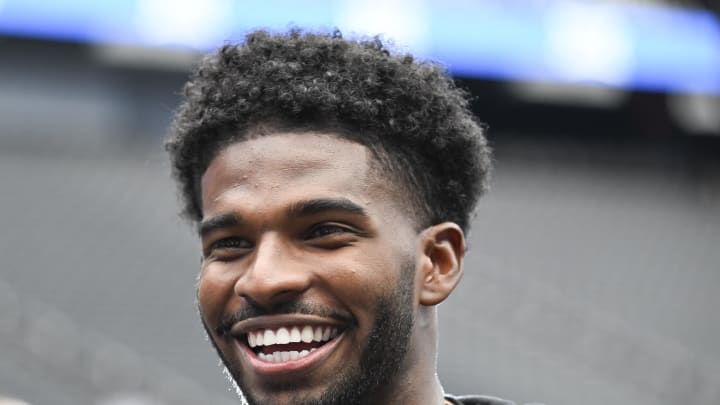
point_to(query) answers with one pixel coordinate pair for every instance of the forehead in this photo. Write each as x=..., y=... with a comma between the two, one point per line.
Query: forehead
x=277, y=167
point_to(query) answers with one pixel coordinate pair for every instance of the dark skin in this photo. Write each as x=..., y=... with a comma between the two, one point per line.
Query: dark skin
x=305, y=219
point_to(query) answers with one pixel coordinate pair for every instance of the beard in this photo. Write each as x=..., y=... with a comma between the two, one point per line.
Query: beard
x=381, y=360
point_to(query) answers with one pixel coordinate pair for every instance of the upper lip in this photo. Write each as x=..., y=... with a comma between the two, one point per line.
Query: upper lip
x=278, y=321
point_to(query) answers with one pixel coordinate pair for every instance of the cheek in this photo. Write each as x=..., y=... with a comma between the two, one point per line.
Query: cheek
x=214, y=291
x=365, y=276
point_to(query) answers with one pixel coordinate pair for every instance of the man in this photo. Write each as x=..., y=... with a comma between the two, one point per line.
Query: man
x=332, y=182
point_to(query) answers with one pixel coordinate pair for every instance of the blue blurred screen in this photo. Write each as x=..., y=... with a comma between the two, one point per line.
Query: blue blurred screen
x=644, y=47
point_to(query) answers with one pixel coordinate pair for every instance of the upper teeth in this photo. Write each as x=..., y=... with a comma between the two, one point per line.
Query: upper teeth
x=294, y=334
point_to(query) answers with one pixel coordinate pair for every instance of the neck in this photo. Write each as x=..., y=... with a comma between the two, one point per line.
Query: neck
x=418, y=382
x=414, y=391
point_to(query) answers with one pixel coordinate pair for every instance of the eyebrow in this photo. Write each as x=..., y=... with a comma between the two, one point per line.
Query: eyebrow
x=219, y=222
x=320, y=205
x=296, y=210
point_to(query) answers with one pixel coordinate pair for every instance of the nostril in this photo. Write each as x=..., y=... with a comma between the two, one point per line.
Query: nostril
x=267, y=296
x=287, y=295
x=267, y=287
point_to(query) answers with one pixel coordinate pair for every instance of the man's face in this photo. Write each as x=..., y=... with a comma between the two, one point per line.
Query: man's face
x=307, y=282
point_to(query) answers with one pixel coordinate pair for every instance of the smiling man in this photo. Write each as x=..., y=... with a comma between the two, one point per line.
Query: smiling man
x=332, y=182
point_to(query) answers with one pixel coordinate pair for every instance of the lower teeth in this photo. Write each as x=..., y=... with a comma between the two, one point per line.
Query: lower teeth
x=280, y=357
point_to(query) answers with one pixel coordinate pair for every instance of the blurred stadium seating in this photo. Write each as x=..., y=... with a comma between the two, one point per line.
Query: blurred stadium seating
x=594, y=271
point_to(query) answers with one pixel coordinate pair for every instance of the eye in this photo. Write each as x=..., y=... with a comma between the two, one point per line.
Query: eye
x=231, y=246
x=230, y=243
x=320, y=231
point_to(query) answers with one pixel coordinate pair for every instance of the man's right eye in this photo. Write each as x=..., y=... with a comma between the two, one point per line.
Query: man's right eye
x=231, y=244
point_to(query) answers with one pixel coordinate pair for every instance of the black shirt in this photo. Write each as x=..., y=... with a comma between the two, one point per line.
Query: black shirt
x=476, y=400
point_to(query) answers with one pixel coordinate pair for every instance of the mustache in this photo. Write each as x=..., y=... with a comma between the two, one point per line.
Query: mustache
x=251, y=310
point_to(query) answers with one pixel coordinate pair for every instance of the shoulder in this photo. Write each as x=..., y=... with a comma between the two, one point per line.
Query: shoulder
x=477, y=400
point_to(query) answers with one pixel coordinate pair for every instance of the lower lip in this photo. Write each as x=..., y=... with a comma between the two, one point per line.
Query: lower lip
x=301, y=364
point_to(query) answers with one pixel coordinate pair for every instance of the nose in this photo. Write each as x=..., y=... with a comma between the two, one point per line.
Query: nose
x=275, y=274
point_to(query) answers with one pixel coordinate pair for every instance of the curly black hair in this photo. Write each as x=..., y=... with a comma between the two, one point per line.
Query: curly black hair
x=408, y=112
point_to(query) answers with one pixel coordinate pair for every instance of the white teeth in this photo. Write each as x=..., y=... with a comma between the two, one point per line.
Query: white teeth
x=280, y=357
x=307, y=334
x=295, y=334
x=282, y=336
x=269, y=338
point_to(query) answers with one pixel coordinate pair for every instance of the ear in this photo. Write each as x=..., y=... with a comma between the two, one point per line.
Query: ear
x=443, y=248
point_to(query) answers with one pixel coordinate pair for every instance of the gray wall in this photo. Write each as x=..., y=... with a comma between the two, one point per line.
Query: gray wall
x=593, y=273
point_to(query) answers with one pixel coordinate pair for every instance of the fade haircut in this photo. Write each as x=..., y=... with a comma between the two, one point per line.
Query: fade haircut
x=409, y=113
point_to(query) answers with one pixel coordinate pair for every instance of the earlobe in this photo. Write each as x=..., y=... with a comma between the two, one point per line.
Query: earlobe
x=441, y=269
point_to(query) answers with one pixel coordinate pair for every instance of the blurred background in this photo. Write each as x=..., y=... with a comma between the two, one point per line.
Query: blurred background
x=594, y=267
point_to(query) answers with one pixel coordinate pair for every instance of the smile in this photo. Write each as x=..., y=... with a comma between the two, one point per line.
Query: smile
x=288, y=343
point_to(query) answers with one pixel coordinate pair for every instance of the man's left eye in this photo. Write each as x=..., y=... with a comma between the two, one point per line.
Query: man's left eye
x=325, y=230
